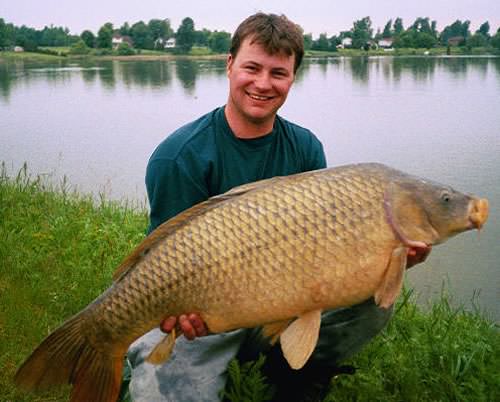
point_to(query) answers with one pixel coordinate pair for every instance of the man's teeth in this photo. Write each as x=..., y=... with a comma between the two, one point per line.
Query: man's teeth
x=257, y=97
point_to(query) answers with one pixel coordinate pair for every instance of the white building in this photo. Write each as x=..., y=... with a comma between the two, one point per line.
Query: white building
x=346, y=42
x=385, y=43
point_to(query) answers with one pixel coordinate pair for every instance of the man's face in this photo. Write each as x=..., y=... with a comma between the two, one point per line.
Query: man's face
x=258, y=82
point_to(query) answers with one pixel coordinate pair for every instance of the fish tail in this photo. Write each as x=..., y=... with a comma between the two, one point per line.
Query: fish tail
x=66, y=356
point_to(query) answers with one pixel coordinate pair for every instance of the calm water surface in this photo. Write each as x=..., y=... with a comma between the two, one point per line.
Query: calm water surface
x=98, y=122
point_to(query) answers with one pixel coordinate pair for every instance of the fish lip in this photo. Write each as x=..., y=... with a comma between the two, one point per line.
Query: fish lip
x=478, y=212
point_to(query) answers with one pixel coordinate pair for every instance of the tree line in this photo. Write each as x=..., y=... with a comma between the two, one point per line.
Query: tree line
x=421, y=34
x=155, y=34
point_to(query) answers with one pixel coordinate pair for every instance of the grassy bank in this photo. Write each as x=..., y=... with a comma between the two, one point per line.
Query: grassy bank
x=62, y=53
x=58, y=251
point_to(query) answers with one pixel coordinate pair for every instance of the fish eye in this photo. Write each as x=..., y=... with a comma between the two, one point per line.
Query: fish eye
x=446, y=196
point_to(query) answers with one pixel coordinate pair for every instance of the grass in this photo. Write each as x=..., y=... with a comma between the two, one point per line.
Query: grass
x=58, y=250
x=63, y=53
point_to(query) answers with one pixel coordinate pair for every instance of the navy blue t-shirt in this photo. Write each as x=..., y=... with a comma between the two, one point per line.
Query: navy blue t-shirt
x=204, y=158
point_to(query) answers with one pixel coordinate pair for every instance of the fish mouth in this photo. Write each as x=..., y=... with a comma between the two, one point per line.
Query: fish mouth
x=478, y=213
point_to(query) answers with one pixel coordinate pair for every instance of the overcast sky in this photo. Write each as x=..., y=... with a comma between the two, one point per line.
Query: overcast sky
x=315, y=16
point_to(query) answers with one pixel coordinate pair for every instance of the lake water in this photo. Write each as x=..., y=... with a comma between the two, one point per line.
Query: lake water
x=98, y=122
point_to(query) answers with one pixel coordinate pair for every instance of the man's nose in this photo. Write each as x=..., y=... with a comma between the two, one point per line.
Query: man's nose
x=263, y=81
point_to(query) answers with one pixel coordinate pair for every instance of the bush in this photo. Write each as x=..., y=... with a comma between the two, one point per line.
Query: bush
x=79, y=48
x=124, y=49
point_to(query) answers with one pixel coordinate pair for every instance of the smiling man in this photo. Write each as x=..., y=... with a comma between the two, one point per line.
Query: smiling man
x=238, y=143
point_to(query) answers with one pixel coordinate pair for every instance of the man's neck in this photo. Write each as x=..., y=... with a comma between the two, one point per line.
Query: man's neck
x=244, y=128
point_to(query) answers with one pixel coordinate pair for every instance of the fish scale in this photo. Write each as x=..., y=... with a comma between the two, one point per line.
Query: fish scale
x=264, y=253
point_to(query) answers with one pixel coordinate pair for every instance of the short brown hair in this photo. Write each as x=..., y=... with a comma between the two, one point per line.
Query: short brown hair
x=276, y=33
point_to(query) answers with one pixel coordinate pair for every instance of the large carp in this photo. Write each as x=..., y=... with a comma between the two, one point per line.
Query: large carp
x=274, y=253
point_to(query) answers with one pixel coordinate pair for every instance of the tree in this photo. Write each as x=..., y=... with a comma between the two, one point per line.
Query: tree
x=387, y=32
x=477, y=40
x=125, y=29
x=185, y=35
x=434, y=29
x=104, y=36
x=7, y=34
x=308, y=41
x=219, y=42
x=425, y=40
x=495, y=40
x=26, y=38
x=3, y=34
x=141, y=36
x=398, y=26
x=422, y=25
x=88, y=38
x=201, y=38
x=484, y=29
x=457, y=29
x=160, y=29
x=361, y=32
x=322, y=43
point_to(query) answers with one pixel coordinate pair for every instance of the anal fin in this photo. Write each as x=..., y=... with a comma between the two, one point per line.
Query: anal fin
x=300, y=338
x=274, y=330
x=162, y=351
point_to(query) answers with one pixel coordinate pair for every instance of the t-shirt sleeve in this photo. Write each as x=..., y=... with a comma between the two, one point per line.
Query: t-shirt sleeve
x=315, y=157
x=171, y=189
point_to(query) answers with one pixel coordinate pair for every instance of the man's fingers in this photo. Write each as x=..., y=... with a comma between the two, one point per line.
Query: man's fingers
x=168, y=324
x=198, y=325
x=417, y=256
x=186, y=327
x=191, y=326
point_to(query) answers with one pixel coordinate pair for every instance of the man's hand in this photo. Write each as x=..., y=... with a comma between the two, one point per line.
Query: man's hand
x=416, y=256
x=191, y=325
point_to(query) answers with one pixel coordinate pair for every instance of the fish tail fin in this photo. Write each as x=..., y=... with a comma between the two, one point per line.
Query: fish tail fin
x=66, y=356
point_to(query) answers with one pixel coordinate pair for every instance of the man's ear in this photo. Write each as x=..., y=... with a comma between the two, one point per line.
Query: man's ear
x=229, y=62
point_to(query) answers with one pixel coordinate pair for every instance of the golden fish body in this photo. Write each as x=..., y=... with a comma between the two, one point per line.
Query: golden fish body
x=264, y=253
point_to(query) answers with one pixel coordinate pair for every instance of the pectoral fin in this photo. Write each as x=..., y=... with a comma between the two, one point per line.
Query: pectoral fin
x=274, y=330
x=392, y=282
x=162, y=350
x=299, y=339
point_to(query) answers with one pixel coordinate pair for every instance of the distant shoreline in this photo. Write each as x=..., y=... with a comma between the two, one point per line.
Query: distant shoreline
x=454, y=51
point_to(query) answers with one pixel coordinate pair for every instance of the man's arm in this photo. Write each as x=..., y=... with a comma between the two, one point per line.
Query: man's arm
x=171, y=189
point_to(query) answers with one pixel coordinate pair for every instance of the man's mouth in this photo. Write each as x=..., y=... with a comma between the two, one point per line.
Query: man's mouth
x=259, y=97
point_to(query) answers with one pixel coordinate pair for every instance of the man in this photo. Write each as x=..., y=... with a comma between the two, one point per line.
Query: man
x=243, y=141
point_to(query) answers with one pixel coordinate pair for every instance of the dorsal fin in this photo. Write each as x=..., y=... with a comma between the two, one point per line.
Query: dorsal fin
x=178, y=221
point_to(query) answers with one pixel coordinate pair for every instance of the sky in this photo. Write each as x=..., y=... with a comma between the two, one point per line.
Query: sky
x=314, y=16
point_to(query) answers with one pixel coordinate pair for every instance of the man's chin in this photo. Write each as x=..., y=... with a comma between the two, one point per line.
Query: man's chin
x=260, y=116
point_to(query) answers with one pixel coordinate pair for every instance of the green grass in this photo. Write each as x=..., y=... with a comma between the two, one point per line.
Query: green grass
x=444, y=353
x=58, y=250
x=31, y=56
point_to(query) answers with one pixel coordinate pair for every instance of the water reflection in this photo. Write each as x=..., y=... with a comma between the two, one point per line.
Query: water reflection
x=107, y=75
x=359, y=67
x=186, y=71
x=162, y=73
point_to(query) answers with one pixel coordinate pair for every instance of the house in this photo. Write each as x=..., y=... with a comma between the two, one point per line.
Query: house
x=118, y=39
x=169, y=43
x=385, y=43
x=166, y=44
x=346, y=42
x=18, y=49
x=456, y=40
